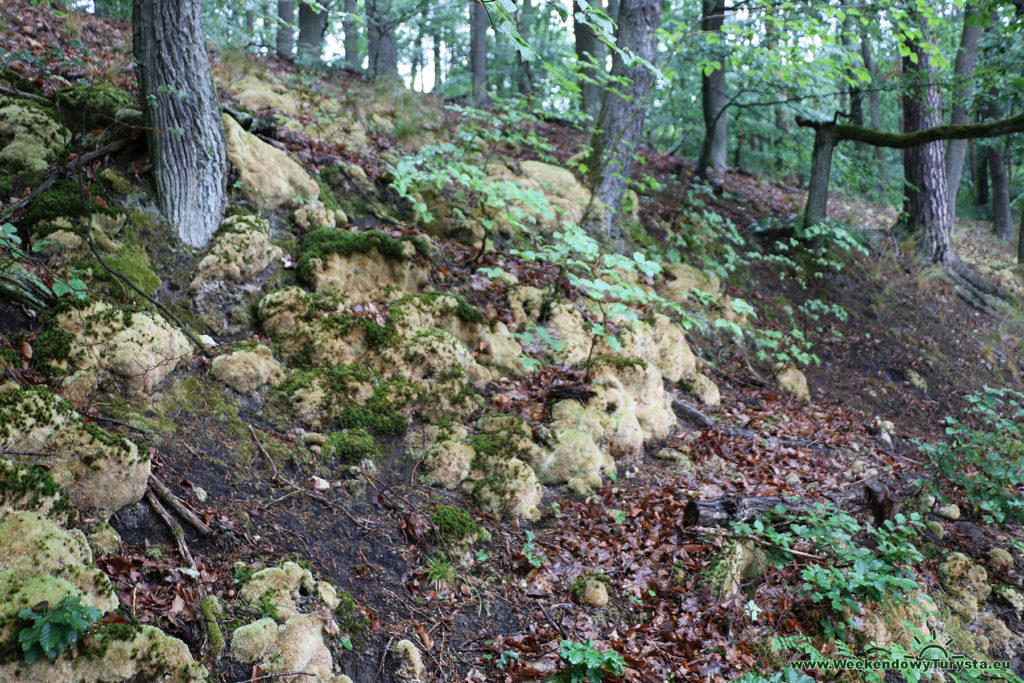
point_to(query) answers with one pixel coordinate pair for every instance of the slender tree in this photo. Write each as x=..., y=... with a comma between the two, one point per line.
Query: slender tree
x=478, y=51
x=182, y=114
x=588, y=55
x=285, y=28
x=963, y=73
x=350, y=25
x=1002, y=217
x=713, y=93
x=620, y=122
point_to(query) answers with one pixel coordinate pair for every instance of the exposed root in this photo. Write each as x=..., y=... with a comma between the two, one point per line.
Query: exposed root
x=974, y=290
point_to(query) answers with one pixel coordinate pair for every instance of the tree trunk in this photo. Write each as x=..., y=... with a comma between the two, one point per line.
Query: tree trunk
x=620, y=122
x=382, y=59
x=524, y=74
x=478, y=52
x=714, y=97
x=438, y=74
x=926, y=195
x=312, y=27
x=821, y=166
x=1020, y=239
x=874, y=101
x=1002, y=218
x=285, y=28
x=963, y=72
x=981, y=169
x=350, y=24
x=182, y=115
x=588, y=57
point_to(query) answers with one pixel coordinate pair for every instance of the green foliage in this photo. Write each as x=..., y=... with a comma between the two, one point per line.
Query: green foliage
x=50, y=631
x=351, y=445
x=985, y=457
x=454, y=523
x=440, y=572
x=851, y=575
x=787, y=675
x=530, y=552
x=586, y=664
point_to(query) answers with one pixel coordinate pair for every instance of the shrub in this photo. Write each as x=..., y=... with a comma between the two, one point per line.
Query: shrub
x=985, y=462
x=50, y=632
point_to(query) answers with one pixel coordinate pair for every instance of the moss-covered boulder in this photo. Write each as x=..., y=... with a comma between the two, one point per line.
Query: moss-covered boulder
x=30, y=488
x=267, y=176
x=137, y=349
x=115, y=654
x=30, y=138
x=247, y=371
x=260, y=94
x=93, y=106
x=965, y=583
x=240, y=260
x=567, y=198
x=99, y=471
x=280, y=591
x=793, y=382
x=360, y=266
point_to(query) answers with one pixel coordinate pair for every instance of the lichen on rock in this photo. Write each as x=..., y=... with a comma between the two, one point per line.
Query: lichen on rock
x=267, y=176
x=138, y=349
x=247, y=371
x=100, y=472
x=30, y=139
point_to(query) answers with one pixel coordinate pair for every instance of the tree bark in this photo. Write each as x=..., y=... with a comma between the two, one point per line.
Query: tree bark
x=478, y=52
x=588, y=56
x=981, y=169
x=438, y=74
x=714, y=96
x=351, y=27
x=312, y=28
x=1002, y=218
x=963, y=72
x=285, y=28
x=620, y=122
x=182, y=115
x=825, y=139
x=874, y=101
x=926, y=193
x=524, y=74
x=1020, y=239
x=382, y=59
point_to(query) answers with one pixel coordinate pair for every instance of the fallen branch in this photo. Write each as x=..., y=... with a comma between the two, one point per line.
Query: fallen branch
x=696, y=418
x=177, y=532
x=12, y=92
x=164, y=494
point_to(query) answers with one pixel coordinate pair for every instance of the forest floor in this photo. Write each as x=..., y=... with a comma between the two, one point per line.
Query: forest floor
x=908, y=353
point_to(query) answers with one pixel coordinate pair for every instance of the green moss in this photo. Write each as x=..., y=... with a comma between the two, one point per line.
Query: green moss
x=376, y=336
x=211, y=609
x=266, y=604
x=353, y=445
x=28, y=487
x=348, y=615
x=95, y=644
x=617, y=362
x=65, y=199
x=132, y=262
x=320, y=242
x=327, y=195
x=93, y=106
x=51, y=345
x=454, y=523
x=464, y=310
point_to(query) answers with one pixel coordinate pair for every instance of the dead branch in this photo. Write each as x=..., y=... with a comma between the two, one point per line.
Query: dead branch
x=164, y=494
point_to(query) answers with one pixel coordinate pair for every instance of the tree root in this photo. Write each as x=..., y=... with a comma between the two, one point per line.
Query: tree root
x=976, y=291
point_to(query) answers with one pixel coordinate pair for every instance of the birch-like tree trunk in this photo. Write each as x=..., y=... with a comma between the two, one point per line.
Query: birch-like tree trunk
x=963, y=72
x=285, y=28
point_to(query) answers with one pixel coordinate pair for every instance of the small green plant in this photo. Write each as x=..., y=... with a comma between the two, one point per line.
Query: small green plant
x=440, y=572
x=586, y=664
x=50, y=631
x=986, y=462
x=506, y=658
x=535, y=558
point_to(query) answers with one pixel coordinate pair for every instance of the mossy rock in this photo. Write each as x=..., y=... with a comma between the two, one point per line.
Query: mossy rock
x=66, y=199
x=85, y=107
x=320, y=242
x=455, y=524
x=351, y=445
x=31, y=139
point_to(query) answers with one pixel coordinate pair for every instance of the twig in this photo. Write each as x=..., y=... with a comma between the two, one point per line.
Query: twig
x=170, y=499
x=387, y=649
x=176, y=531
x=265, y=677
x=11, y=92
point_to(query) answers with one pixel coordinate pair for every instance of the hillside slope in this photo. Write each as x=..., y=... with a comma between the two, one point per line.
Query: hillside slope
x=395, y=455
